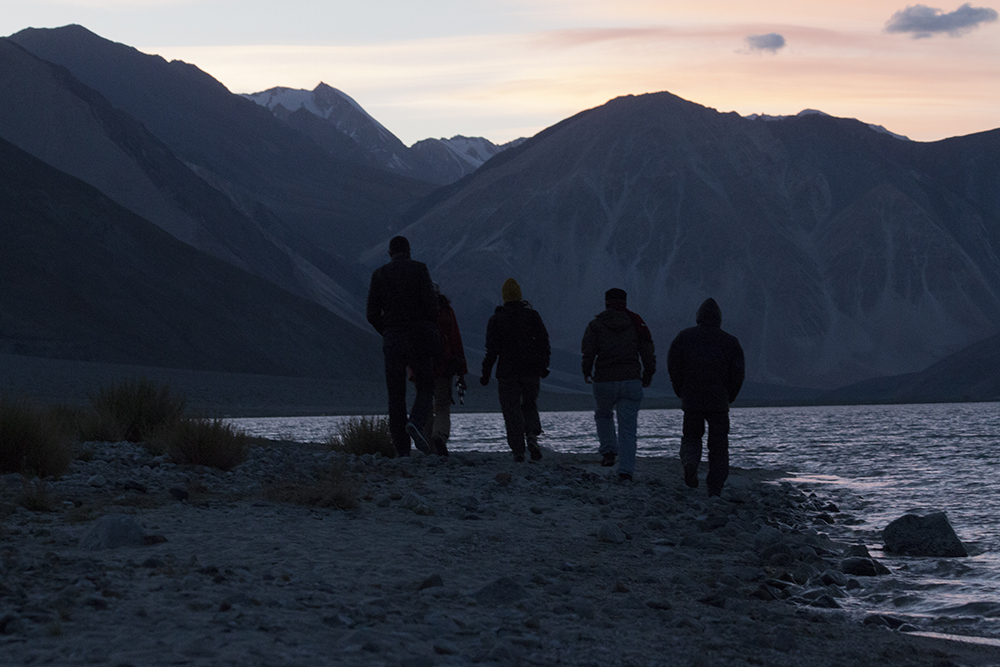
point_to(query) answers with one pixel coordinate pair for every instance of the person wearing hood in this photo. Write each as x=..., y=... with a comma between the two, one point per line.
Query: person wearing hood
x=619, y=360
x=706, y=368
x=518, y=342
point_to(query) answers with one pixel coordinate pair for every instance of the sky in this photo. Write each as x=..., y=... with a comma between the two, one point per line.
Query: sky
x=504, y=69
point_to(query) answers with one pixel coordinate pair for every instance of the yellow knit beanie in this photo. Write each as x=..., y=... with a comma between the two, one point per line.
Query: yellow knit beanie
x=510, y=291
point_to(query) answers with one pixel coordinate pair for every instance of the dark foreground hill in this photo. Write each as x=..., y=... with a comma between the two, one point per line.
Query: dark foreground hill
x=83, y=278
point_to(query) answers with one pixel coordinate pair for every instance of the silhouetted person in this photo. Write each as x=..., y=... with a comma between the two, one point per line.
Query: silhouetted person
x=450, y=363
x=618, y=348
x=516, y=339
x=706, y=368
x=402, y=306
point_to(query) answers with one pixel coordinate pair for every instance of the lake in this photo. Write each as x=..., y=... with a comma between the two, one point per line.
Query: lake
x=875, y=462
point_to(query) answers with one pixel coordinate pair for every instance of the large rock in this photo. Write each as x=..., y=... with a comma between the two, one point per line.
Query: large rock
x=113, y=531
x=931, y=535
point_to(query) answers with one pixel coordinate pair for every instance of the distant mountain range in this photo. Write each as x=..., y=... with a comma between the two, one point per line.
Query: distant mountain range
x=339, y=125
x=846, y=259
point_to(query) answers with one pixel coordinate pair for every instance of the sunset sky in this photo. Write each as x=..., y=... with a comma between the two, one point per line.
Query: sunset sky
x=509, y=68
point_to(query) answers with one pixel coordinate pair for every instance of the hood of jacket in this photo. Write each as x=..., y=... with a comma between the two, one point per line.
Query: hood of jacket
x=709, y=313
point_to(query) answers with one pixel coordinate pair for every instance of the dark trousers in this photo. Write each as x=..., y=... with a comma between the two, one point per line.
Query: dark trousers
x=718, y=444
x=519, y=403
x=413, y=349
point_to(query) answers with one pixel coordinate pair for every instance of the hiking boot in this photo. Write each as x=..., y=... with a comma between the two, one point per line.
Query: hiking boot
x=536, y=453
x=624, y=477
x=419, y=441
x=519, y=458
x=608, y=460
x=438, y=445
x=715, y=491
x=691, y=476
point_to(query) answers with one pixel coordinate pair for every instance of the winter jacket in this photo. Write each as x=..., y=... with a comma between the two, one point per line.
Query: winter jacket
x=452, y=359
x=617, y=345
x=705, y=363
x=401, y=295
x=517, y=341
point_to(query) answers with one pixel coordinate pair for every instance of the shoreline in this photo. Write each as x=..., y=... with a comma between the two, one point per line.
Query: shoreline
x=467, y=560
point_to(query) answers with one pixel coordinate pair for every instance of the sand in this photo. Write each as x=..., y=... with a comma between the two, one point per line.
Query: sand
x=471, y=559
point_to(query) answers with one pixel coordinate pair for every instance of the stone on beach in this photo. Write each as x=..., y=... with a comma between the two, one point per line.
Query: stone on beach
x=930, y=535
x=113, y=531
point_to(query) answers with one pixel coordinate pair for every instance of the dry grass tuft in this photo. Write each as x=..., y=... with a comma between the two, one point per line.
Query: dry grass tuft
x=31, y=442
x=134, y=410
x=207, y=442
x=363, y=435
x=338, y=491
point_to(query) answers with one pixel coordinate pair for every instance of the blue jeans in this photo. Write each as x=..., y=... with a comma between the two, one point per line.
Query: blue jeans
x=621, y=397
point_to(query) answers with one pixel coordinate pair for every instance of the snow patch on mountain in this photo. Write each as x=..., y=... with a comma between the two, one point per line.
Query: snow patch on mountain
x=815, y=112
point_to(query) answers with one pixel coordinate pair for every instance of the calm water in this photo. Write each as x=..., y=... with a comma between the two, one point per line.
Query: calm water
x=874, y=462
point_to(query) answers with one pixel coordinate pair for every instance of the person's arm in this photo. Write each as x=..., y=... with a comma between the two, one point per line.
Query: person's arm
x=589, y=350
x=491, y=352
x=675, y=367
x=737, y=372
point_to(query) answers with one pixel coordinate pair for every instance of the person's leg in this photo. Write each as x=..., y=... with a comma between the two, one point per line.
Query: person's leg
x=630, y=396
x=691, y=434
x=529, y=407
x=513, y=418
x=395, y=384
x=718, y=452
x=605, y=396
x=423, y=379
x=438, y=430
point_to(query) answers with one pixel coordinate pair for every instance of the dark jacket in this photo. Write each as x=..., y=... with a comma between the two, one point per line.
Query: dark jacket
x=614, y=344
x=452, y=359
x=517, y=337
x=705, y=363
x=401, y=295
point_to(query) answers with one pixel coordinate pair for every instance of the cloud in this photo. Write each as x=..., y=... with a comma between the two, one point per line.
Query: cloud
x=923, y=21
x=772, y=42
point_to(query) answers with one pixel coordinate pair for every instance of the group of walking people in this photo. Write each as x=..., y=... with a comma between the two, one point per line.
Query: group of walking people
x=421, y=341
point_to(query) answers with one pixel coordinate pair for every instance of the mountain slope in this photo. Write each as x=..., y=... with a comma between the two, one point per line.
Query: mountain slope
x=344, y=129
x=836, y=252
x=322, y=208
x=83, y=278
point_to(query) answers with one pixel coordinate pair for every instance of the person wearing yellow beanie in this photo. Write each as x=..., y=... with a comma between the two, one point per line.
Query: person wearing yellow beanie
x=518, y=343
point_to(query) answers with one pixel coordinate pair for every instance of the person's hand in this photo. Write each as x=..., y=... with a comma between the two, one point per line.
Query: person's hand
x=545, y=373
x=588, y=379
x=460, y=383
x=646, y=382
x=484, y=380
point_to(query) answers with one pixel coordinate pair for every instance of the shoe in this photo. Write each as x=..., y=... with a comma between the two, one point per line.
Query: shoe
x=624, y=477
x=691, y=476
x=519, y=458
x=608, y=460
x=715, y=491
x=536, y=453
x=419, y=441
x=438, y=446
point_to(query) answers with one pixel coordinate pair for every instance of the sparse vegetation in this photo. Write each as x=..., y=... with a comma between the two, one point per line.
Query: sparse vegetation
x=339, y=491
x=208, y=442
x=134, y=410
x=31, y=442
x=363, y=435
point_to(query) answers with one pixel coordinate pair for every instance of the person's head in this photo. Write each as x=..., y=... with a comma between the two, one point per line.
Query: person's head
x=709, y=313
x=399, y=245
x=615, y=299
x=510, y=291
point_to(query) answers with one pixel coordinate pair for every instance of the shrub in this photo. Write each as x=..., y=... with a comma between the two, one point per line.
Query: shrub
x=339, y=491
x=207, y=442
x=31, y=443
x=134, y=410
x=363, y=435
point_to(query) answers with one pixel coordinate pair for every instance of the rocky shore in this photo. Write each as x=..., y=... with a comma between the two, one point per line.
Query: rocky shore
x=300, y=556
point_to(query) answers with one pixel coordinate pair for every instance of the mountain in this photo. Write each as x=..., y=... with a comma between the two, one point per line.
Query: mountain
x=318, y=209
x=968, y=375
x=84, y=278
x=344, y=129
x=837, y=253
x=812, y=112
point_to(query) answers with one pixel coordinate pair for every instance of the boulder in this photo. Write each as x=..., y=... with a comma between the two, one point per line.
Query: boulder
x=862, y=567
x=113, y=531
x=931, y=535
